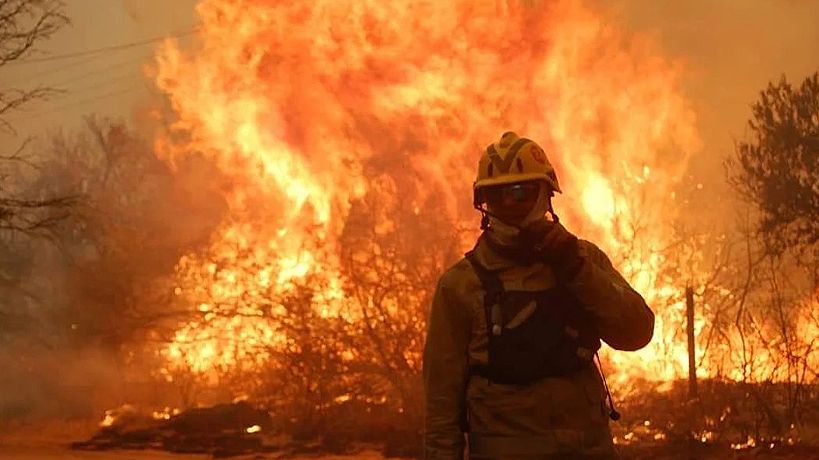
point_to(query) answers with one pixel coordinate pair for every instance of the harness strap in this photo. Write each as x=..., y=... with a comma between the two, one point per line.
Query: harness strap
x=493, y=293
x=490, y=281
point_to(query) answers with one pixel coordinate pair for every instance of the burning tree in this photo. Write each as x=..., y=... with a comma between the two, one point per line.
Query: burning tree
x=349, y=144
x=776, y=171
x=755, y=289
x=135, y=222
x=389, y=277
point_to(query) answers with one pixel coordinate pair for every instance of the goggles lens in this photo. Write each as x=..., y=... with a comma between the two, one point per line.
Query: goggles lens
x=520, y=192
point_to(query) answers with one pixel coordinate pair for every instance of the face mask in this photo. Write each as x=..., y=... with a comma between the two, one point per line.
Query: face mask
x=507, y=235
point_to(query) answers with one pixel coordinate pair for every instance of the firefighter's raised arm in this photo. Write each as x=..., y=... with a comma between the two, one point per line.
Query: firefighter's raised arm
x=623, y=319
x=621, y=315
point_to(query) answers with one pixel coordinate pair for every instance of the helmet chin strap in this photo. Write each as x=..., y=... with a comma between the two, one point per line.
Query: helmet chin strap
x=487, y=216
x=551, y=210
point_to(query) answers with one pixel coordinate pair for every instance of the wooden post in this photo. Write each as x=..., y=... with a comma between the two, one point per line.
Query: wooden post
x=692, y=363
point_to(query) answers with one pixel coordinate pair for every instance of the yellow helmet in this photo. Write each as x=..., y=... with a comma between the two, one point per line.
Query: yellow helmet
x=513, y=159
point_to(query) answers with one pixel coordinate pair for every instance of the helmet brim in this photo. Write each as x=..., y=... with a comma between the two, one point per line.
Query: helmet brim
x=512, y=179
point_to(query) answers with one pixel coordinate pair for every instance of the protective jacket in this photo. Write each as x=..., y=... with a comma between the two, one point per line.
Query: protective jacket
x=555, y=416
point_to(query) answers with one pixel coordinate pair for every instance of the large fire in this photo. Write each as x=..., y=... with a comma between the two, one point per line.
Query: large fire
x=309, y=107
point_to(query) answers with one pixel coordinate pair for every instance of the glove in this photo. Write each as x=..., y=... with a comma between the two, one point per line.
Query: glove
x=551, y=243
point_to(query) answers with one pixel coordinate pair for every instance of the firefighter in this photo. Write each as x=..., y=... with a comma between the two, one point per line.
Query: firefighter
x=515, y=325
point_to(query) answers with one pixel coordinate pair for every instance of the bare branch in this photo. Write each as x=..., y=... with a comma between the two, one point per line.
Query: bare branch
x=35, y=217
x=23, y=23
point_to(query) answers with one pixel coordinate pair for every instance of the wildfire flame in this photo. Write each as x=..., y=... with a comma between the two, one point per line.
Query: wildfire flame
x=306, y=106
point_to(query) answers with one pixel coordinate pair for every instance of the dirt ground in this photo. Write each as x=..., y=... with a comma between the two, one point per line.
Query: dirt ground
x=57, y=452
x=63, y=453
x=50, y=442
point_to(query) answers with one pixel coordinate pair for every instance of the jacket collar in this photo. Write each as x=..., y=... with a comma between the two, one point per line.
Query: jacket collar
x=489, y=256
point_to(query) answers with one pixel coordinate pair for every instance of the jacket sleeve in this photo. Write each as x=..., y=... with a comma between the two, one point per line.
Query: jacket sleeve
x=624, y=321
x=445, y=370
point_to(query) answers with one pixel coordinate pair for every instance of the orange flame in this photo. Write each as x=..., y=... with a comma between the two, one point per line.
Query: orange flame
x=298, y=103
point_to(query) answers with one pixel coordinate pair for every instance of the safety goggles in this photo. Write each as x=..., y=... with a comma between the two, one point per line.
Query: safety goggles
x=520, y=192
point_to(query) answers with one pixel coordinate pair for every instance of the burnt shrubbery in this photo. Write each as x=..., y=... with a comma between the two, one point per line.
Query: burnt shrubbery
x=727, y=420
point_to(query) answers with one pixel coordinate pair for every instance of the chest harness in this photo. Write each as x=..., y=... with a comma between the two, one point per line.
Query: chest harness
x=534, y=334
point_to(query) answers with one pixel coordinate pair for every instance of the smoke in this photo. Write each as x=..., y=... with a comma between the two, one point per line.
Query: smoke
x=80, y=298
x=143, y=12
x=730, y=50
x=57, y=383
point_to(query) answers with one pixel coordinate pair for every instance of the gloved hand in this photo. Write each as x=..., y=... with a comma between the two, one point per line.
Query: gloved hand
x=551, y=243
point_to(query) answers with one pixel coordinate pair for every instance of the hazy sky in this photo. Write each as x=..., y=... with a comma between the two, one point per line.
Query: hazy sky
x=110, y=83
x=730, y=50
